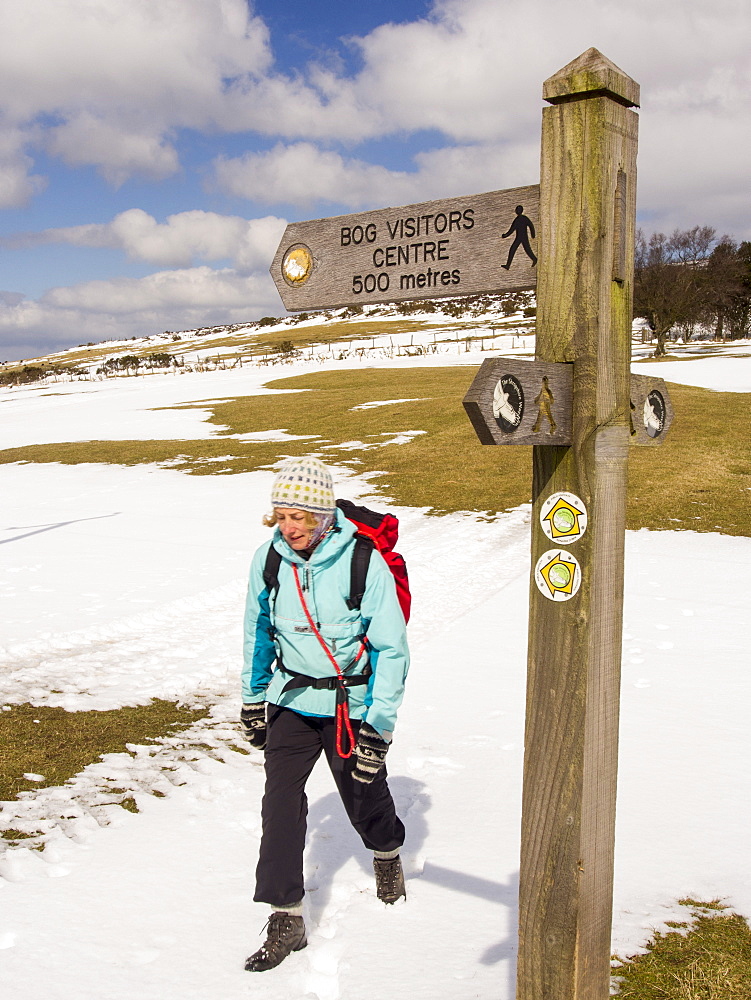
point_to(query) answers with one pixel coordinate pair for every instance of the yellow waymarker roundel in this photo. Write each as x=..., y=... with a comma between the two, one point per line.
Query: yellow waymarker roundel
x=558, y=575
x=297, y=265
x=563, y=517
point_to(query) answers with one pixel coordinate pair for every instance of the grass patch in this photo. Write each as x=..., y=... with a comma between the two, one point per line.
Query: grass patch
x=201, y=457
x=57, y=744
x=705, y=958
x=699, y=479
x=444, y=468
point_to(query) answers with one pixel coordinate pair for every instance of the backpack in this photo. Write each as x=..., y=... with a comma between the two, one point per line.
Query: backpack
x=374, y=530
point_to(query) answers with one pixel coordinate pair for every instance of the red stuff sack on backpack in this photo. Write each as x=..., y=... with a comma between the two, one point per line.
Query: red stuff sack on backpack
x=382, y=532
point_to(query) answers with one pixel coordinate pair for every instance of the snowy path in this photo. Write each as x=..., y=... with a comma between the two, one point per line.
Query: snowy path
x=181, y=871
x=158, y=905
x=122, y=584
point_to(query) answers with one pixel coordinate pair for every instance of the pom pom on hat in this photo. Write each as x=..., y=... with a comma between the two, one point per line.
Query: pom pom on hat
x=305, y=483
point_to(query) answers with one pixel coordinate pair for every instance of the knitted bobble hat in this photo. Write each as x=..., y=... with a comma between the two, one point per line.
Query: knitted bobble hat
x=305, y=483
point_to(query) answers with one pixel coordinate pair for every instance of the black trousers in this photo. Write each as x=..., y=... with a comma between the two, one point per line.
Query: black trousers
x=293, y=746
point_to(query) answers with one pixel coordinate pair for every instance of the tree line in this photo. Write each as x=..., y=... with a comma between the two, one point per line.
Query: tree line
x=693, y=280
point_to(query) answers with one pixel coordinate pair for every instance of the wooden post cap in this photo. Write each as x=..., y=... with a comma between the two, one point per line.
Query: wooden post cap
x=591, y=75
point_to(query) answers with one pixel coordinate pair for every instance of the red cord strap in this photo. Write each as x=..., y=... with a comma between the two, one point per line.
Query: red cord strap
x=342, y=695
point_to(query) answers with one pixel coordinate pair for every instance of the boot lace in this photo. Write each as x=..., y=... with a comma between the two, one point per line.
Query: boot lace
x=279, y=926
x=389, y=875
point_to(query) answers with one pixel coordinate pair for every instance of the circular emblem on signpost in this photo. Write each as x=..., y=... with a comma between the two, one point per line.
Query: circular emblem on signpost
x=508, y=403
x=558, y=575
x=563, y=517
x=654, y=413
x=297, y=265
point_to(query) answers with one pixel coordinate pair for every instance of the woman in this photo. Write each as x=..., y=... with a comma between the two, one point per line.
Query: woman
x=319, y=677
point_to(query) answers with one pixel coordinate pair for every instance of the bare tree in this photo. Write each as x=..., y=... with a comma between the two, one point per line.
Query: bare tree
x=670, y=278
x=739, y=310
x=724, y=276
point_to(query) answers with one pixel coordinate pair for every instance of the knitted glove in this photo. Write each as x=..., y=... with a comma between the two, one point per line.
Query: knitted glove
x=253, y=721
x=371, y=752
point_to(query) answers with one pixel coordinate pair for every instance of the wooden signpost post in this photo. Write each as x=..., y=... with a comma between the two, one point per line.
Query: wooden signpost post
x=581, y=410
x=584, y=307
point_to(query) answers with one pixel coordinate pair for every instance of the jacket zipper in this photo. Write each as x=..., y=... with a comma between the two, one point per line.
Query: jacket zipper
x=308, y=586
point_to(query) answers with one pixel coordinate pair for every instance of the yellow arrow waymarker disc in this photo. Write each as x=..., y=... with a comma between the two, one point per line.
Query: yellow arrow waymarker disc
x=563, y=517
x=558, y=575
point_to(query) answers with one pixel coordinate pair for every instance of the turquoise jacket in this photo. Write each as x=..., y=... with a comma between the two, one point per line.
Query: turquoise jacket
x=276, y=628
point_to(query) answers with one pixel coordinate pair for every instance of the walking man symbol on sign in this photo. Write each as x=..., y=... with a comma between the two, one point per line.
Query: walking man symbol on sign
x=522, y=228
x=544, y=400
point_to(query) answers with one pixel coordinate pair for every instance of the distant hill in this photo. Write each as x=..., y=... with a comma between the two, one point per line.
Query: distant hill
x=227, y=345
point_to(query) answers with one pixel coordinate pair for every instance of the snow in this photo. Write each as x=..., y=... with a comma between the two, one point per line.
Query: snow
x=383, y=402
x=721, y=373
x=122, y=409
x=122, y=584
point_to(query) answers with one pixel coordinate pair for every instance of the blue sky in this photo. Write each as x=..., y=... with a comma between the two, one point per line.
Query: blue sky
x=151, y=153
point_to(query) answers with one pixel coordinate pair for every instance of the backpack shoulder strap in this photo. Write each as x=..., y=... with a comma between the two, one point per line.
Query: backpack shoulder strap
x=271, y=570
x=359, y=571
x=357, y=576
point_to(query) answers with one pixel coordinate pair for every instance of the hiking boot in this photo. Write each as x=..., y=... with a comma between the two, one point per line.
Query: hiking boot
x=389, y=879
x=285, y=934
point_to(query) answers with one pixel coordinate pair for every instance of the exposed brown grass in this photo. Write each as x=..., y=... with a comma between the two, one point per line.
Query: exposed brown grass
x=57, y=744
x=699, y=479
x=707, y=957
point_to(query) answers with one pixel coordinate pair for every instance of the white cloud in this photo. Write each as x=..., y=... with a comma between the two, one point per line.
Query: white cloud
x=113, y=83
x=129, y=307
x=303, y=174
x=685, y=185
x=474, y=70
x=182, y=298
x=117, y=76
x=118, y=153
x=198, y=287
x=120, y=79
x=17, y=183
x=182, y=240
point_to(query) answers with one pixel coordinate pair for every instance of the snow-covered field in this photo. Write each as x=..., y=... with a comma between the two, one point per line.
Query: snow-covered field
x=122, y=584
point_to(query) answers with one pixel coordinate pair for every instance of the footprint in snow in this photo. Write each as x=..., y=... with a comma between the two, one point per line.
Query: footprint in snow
x=433, y=765
x=58, y=871
x=144, y=956
x=322, y=982
x=7, y=940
